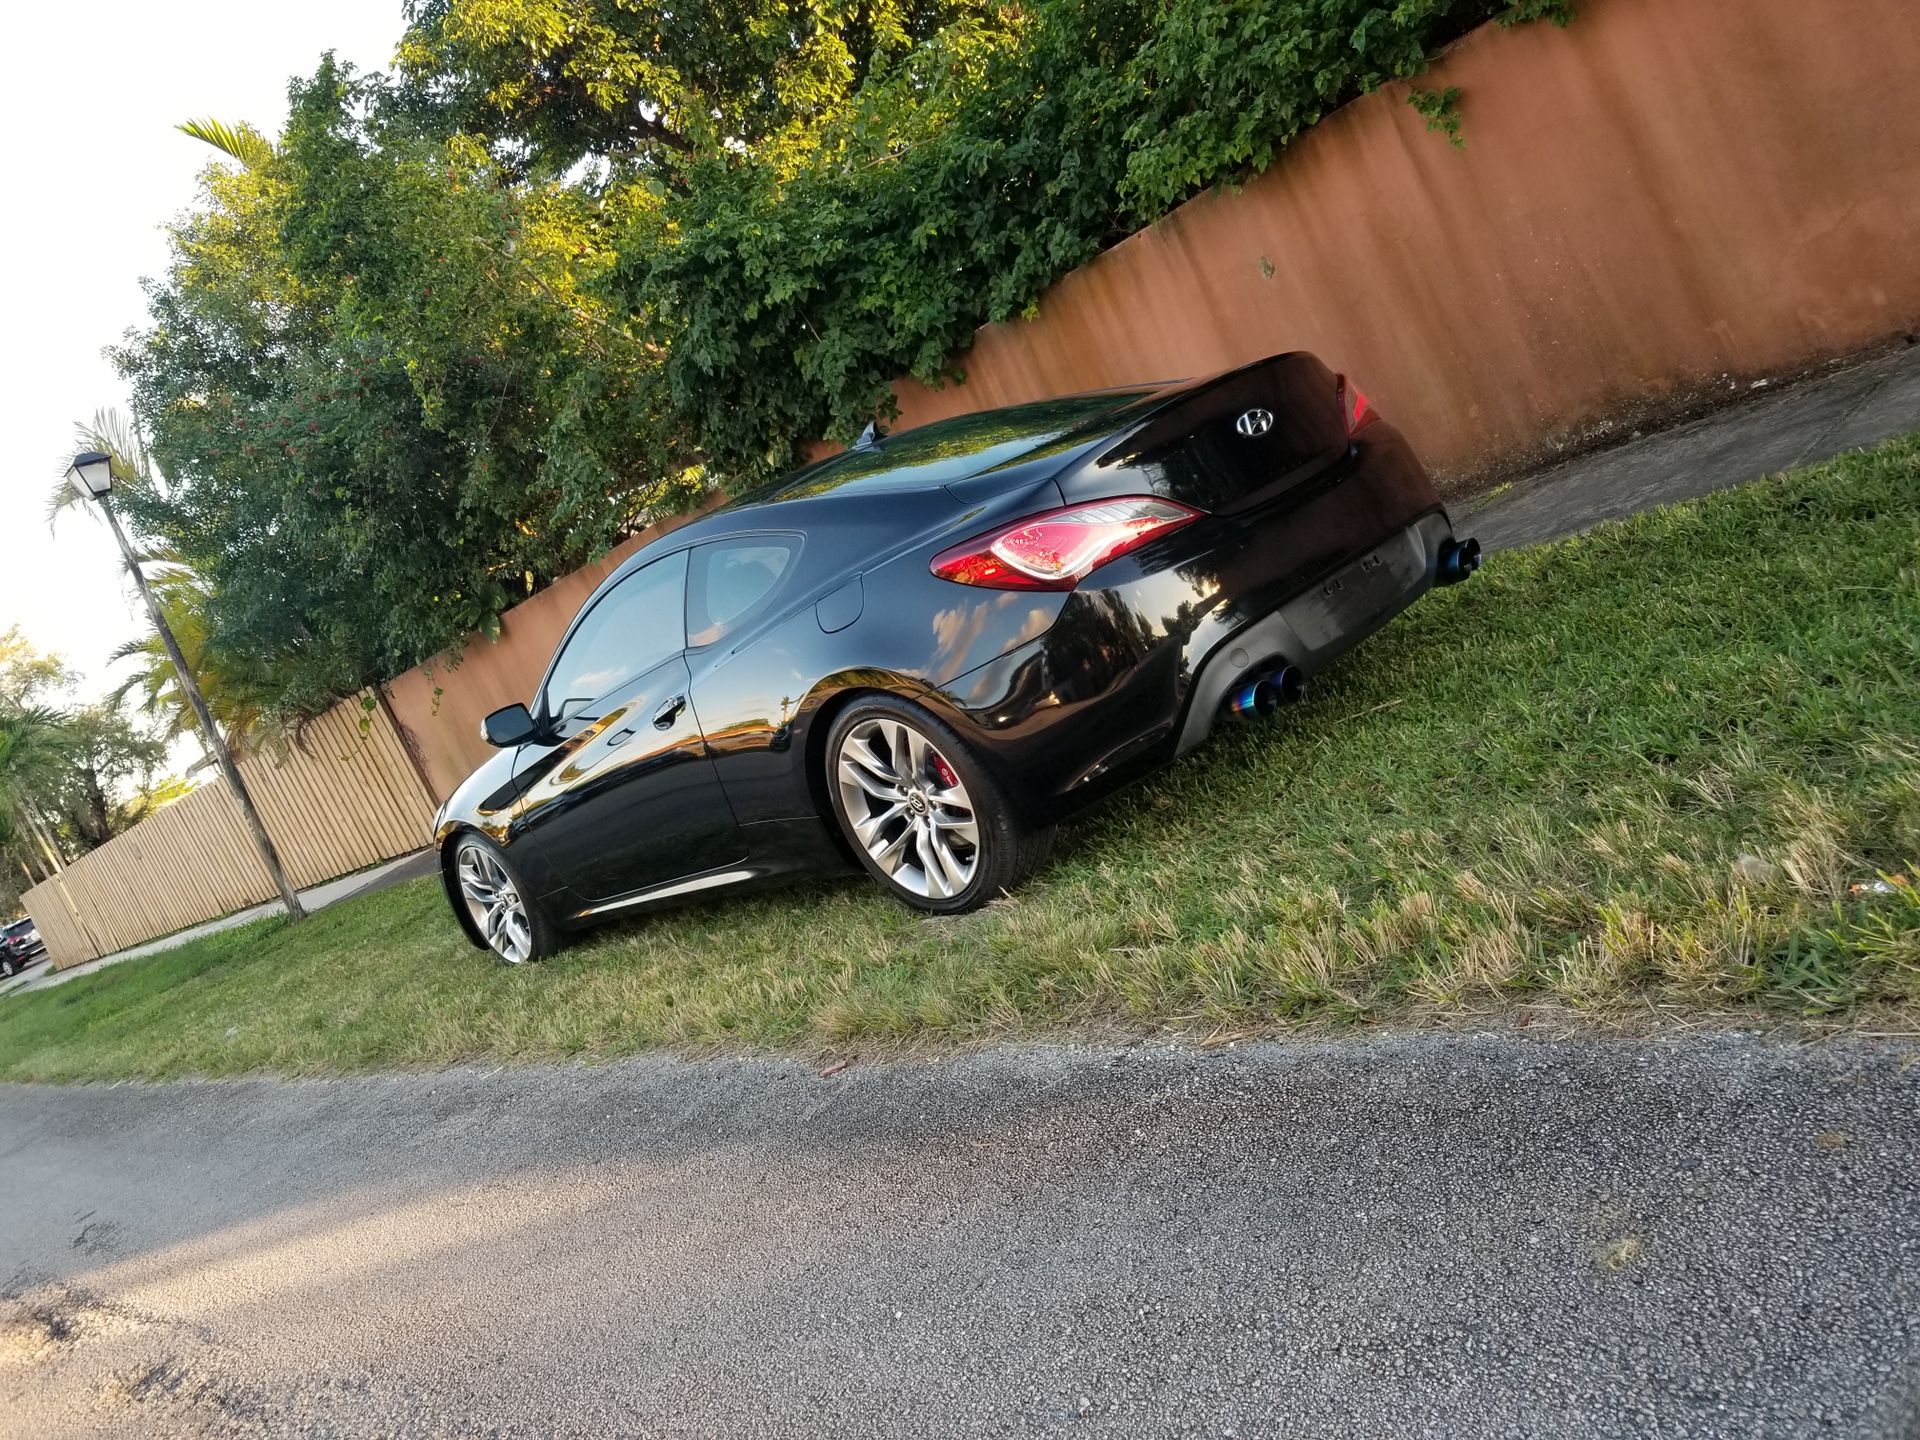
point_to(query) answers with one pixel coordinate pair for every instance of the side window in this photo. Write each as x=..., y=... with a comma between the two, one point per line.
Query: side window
x=629, y=630
x=731, y=581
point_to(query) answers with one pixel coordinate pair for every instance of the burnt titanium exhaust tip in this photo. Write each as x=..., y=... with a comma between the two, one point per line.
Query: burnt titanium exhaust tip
x=1458, y=560
x=1257, y=699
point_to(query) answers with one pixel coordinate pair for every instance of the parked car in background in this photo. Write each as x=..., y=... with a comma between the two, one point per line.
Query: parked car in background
x=20, y=945
x=916, y=656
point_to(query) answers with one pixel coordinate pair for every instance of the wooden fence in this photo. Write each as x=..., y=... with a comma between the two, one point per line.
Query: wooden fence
x=345, y=797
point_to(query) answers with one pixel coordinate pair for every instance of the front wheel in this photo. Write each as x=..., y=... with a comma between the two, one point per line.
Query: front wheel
x=513, y=926
x=924, y=816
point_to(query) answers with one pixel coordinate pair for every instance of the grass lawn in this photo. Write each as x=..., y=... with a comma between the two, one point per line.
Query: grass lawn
x=1637, y=769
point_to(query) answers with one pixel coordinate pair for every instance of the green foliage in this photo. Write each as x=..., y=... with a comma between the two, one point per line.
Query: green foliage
x=383, y=402
x=1559, y=12
x=27, y=675
x=238, y=142
x=962, y=181
x=107, y=765
x=626, y=80
x=69, y=779
x=1441, y=110
x=241, y=689
x=31, y=758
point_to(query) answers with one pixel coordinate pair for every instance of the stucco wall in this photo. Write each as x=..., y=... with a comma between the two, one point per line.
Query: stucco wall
x=1666, y=193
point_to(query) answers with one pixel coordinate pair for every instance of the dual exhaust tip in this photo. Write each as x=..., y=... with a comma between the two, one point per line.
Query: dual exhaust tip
x=1260, y=696
x=1458, y=560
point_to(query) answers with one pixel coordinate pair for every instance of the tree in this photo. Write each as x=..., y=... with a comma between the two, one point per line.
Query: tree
x=69, y=779
x=382, y=403
x=241, y=691
x=630, y=82
x=29, y=756
x=26, y=675
x=33, y=757
x=107, y=766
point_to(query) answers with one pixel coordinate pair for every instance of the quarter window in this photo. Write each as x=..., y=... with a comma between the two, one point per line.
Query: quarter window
x=731, y=582
x=629, y=630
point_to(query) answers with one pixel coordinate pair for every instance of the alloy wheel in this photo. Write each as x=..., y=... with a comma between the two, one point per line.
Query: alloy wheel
x=907, y=808
x=495, y=904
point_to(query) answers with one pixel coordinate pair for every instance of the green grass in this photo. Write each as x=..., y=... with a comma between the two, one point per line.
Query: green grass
x=1641, y=768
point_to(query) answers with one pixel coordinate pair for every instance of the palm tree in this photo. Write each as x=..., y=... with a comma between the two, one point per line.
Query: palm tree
x=238, y=142
x=238, y=695
x=32, y=761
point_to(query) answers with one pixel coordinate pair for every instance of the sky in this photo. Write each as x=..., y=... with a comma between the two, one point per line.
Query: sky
x=96, y=169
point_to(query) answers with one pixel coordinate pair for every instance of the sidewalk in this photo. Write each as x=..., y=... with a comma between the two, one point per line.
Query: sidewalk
x=1851, y=405
x=316, y=897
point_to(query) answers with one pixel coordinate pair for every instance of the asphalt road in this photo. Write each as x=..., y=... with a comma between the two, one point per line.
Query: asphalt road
x=1415, y=1236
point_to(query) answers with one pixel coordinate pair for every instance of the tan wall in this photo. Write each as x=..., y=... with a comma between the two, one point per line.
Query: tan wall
x=344, y=798
x=61, y=925
x=1663, y=192
x=441, y=703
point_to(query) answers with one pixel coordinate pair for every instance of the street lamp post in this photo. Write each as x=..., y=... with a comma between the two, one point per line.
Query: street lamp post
x=91, y=476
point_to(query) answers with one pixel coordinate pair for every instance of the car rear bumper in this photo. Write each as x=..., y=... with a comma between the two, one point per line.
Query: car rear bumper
x=1318, y=625
x=1135, y=669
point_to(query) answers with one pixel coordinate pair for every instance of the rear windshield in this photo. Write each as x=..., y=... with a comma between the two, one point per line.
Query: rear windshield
x=17, y=928
x=949, y=450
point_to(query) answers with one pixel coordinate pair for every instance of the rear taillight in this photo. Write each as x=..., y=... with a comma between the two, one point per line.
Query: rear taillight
x=1057, y=549
x=1354, y=406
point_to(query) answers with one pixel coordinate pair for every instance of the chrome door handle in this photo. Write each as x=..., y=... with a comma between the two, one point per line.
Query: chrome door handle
x=669, y=712
x=619, y=738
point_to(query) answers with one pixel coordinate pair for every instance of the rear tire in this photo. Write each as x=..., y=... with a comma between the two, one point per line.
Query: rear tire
x=922, y=815
x=509, y=921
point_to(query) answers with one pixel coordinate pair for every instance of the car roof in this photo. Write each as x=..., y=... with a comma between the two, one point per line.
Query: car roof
x=930, y=457
x=955, y=454
x=945, y=451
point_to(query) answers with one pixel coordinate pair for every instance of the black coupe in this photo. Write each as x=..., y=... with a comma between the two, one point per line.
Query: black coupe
x=918, y=655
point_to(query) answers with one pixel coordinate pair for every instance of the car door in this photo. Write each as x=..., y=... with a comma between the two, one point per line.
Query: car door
x=625, y=798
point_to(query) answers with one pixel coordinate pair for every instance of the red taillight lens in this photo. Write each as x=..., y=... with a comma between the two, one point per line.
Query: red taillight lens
x=1355, y=406
x=1057, y=549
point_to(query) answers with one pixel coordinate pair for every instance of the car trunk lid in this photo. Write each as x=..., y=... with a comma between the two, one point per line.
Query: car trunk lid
x=1269, y=433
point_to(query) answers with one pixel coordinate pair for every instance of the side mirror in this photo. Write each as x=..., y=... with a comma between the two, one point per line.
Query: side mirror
x=509, y=726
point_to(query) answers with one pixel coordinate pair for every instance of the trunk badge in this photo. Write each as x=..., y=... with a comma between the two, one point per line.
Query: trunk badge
x=1254, y=422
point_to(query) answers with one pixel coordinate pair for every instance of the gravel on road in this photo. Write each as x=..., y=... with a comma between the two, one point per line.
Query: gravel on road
x=1389, y=1236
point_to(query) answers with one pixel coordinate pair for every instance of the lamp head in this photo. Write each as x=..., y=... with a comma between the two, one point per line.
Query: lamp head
x=91, y=474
